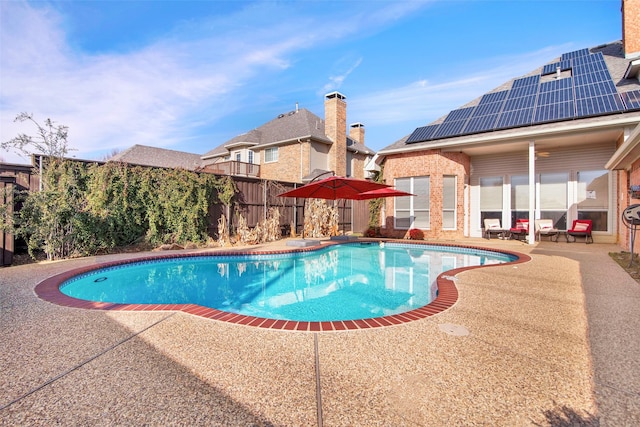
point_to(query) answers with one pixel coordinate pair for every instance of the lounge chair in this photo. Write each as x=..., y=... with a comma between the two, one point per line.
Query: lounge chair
x=492, y=226
x=544, y=227
x=581, y=228
x=520, y=230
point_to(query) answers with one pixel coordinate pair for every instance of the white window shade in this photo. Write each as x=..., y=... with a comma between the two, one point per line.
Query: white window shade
x=491, y=194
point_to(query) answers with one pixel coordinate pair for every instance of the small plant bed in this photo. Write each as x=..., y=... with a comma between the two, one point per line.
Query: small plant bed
x=622, y=258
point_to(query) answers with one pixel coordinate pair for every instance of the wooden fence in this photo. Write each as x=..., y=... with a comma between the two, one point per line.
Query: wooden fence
x=254, y=199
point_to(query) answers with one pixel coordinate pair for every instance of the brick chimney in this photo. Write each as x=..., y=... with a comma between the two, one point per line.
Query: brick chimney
x=356, y=132
x=631, y=28
x=335, y=118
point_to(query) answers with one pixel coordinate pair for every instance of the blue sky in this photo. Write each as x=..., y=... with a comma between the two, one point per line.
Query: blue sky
x=189, y=75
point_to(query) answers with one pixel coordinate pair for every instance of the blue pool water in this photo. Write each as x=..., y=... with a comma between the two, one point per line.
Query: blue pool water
x=341, y=282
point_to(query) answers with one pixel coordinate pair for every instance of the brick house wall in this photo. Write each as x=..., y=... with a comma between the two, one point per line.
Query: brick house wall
x=357, y=165
x=631, y=28
x=435, y=164
x=625, y=180
x=287, y=168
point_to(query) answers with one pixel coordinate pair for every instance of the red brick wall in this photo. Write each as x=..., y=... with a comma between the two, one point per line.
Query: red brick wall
x=626, y=179
x=435, y=164
x=631, y=27
x=287, y=168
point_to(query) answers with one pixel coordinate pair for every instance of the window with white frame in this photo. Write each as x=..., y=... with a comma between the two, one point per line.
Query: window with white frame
x=412, y=211
x=271, y=155
x=449, y=202
x=250, y=156
x=553, y=198
x=519, y=198
x=238, y=156
x=593, y=197
x=490, y=198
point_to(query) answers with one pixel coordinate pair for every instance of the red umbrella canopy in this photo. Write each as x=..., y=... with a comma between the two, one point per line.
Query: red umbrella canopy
x=333, y=188
x=382, y=192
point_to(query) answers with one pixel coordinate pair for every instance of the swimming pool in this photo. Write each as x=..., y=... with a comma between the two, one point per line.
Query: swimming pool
x=338, y=284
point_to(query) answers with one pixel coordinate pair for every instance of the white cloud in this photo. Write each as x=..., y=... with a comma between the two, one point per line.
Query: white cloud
x=336, y=80
x=156, y=96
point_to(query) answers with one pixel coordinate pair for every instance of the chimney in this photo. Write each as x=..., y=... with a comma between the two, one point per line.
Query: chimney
x=335, y=118
x=356, y=132
x=631, y=28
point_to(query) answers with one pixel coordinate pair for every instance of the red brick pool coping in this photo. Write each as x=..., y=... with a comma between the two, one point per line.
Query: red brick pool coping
x=49, y=290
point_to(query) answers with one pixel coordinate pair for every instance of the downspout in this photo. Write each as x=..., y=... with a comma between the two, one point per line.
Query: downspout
x=301, y=162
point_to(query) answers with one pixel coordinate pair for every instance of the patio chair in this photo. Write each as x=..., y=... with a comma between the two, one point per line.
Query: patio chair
x=544, y=227
x=520, y=230
x=581, y=228
x=492, y=226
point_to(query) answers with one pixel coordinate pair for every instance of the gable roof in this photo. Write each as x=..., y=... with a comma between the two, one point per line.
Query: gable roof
x=285, y=128
x=578, y=87
x=144, y=155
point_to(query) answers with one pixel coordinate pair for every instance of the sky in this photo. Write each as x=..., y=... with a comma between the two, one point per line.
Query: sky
x=190, y=75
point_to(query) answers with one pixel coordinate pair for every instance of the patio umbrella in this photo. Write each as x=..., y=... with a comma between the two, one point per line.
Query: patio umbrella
x=333, y=188
x=382, y=192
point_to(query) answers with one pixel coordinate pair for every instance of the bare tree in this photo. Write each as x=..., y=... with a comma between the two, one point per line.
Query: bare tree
x=50, y=139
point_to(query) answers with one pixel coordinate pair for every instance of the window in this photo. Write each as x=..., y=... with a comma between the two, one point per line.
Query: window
x=271, y=155
x=449, y=191
x=412, y=211
x=519, y=198
x=490, y=198
x=553, y=198
x=593, y=197
x=238, y=155
x=250, y=155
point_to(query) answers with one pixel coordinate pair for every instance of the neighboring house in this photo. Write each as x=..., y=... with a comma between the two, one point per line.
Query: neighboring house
x=545, y=145
x=158, y=157
x=296, y=147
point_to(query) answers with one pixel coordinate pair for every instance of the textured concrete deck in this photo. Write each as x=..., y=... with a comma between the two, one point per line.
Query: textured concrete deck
x=555, y=341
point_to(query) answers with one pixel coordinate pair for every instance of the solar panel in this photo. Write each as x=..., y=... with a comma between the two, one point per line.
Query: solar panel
x=485, y=115
x=518, y=108
x=422, y=134
x=554, y=112
x=589, y=64
x=552, y=68
x=460, y=114
x=591, y=78
x=555, y=101
x=599, y=105
x=526, y=81
x=515, y=118
x=595, y=89
x=493, y=97
x=481, y=123
x=631, y=99
x=575, y=54
x=454, y=123
x=453, y=128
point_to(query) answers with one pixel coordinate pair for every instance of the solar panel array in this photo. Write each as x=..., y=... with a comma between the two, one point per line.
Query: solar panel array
x=632, y=99
x=589, y=91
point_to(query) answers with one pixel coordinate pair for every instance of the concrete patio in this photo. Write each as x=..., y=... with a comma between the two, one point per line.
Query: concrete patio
x=551, y=342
